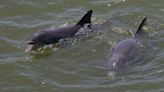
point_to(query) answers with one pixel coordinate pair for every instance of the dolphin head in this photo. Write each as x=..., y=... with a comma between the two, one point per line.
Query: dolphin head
x=33, y=46
x=36, y=42
x=115, y=63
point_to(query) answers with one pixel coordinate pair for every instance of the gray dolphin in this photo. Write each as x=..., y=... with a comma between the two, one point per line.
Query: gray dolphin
x=124, y=52
x=53, y=36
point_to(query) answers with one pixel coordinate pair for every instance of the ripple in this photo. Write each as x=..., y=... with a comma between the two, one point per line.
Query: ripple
x=81, y=66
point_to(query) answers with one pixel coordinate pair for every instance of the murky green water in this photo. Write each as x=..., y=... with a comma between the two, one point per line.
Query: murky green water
x=82, y=66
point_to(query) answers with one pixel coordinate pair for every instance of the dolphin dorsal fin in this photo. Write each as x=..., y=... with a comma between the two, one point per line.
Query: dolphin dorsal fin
x=86, y=18
x=143, y=22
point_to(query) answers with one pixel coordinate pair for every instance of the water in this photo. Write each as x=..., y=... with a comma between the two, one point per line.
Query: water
x=82, y=66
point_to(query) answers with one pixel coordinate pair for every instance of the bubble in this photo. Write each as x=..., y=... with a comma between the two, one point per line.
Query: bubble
x=160, y=71
x=43, y=83
x=145, y=28
x=108, y=5
x=94, y=50
x=162, y=10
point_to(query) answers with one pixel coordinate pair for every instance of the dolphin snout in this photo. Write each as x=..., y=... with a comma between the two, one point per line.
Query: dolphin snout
x=112, y=74
x=32, y=47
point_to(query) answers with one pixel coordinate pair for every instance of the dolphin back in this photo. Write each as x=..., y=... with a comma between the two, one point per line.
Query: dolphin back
x=85, y=19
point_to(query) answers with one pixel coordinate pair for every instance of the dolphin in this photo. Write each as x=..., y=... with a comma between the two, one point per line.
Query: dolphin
x=51, y=36
x=124, y=52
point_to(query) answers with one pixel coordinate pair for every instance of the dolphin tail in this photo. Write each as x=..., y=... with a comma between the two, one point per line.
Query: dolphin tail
x=85, y=19
x=143, y=22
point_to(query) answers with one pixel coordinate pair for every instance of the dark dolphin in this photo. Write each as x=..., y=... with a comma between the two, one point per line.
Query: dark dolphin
x=53, y=36
x=124, y=52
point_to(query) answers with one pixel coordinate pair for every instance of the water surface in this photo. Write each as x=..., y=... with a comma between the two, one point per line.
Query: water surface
x=80, y=67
